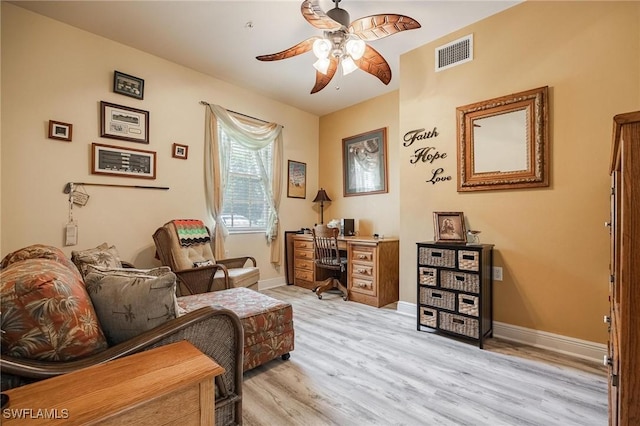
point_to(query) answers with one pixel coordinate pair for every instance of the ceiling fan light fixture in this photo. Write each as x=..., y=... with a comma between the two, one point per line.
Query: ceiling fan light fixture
x=322, y=65
x=355, y=48
x=348, y=65
x=345, y=42
x=322, y=48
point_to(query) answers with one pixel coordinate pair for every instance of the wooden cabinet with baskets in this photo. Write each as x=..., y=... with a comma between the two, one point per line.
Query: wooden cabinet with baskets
x=624, y=289
x=454, y=289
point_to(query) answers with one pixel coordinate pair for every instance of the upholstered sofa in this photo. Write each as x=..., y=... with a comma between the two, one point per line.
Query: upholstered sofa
x=56, y=320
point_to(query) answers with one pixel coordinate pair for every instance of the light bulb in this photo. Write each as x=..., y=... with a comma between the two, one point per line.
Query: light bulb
x=321, y=48
x=322, y=65
x=355, y=48
x=348, y=66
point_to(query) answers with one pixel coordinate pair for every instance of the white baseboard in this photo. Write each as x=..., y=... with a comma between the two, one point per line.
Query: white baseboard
x=271, y=283
x=540, y=339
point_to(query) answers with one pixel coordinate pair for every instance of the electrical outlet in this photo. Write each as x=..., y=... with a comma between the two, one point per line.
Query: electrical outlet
x=497, y=273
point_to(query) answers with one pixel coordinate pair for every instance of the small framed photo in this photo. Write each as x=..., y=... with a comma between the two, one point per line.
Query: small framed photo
x=124, y=123
x=126, y=162
x=128, y=85
x=59, y=130
x=449, y=227
x=364, y=163
x=297, y=180
x=180, y=151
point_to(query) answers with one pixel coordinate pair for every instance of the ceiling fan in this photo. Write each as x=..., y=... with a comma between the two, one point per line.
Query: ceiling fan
x=345, y=42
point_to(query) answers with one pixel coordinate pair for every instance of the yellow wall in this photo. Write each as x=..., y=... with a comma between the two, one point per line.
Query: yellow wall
x=52, y=71
x=373, y=213
x=551, y=242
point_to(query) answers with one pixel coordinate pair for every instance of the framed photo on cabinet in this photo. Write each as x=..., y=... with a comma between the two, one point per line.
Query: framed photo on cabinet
x=449, y=227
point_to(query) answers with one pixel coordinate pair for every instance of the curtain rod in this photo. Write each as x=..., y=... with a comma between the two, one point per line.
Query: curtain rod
x=239, y=113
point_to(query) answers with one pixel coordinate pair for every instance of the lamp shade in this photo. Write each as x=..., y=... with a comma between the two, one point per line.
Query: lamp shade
x=321, y=196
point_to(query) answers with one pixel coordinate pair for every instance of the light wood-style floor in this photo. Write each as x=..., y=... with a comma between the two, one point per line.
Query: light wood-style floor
x=358, y=365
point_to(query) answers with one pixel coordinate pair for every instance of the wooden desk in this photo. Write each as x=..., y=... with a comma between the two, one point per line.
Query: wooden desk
x=169, y=385
x=373, y=264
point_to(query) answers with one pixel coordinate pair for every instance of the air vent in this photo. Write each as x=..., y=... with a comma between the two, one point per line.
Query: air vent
x=455, y=53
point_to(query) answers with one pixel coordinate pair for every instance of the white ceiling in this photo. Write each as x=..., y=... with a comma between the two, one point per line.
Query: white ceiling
x=214, y=37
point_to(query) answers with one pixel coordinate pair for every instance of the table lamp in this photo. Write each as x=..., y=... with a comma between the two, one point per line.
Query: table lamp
x=321, y=197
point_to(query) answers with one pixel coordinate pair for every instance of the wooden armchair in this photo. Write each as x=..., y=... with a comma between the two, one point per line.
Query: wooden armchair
x=194, y=264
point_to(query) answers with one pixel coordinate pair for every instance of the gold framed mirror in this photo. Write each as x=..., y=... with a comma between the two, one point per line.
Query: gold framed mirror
x=503, y=143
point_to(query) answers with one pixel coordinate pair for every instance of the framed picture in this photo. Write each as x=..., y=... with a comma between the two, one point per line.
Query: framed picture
x=59, y=130
x=297, y=180
x=364, y=163
x=128, y=85
x=449, y=227
x=180, y=151
x=124, y=123
x=127, y=162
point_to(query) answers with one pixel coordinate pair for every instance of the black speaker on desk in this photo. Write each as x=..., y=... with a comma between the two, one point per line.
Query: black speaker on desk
x=347, y=227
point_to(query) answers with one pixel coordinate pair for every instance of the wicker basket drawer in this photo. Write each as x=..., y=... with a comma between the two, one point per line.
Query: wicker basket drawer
x=438, y=298
x=428, y=317
x=459, y=324
x=468, y=260
x=460, y=281
x=303, y=264
x=428, y=276
x=468, y=304
x=437, y=257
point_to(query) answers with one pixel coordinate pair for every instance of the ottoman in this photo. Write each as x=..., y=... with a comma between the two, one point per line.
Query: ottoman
x=267, y=322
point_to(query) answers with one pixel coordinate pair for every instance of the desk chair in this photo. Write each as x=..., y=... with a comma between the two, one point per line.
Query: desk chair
x=327, y=256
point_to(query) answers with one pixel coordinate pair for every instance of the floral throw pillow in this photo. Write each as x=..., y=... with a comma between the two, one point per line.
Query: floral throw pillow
x=38, y=251
x=47, y=313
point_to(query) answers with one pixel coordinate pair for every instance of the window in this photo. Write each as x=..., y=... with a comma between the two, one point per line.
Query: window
x=245, y=206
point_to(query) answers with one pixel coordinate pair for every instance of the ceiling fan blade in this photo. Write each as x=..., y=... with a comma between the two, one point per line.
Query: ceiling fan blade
x=315, y=16
x=298, y=49
x=373, y=63
x=375, y=27
x=323, y=79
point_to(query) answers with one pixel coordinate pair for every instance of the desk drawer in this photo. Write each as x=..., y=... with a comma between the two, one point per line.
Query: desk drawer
x=363, y=253
x=363, y=269
x=299, y=244
x=304, y=254
x=304, y=264
x=303, y=274
x=363, y=286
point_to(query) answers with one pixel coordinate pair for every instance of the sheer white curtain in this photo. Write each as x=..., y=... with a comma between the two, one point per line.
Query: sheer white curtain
x=217, y=156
